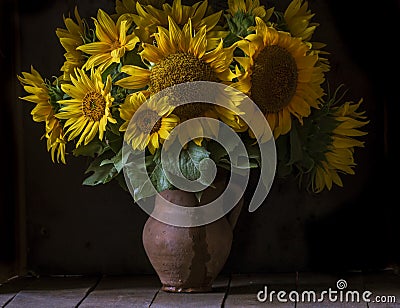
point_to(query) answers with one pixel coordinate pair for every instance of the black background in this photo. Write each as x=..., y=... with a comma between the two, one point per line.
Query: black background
x=355, y=227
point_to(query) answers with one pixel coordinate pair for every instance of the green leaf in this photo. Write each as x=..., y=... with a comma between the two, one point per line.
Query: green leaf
x=92, y=149
x=120, y=178
x=224, y=164
x=217, y=151
x=190, y=159
x=114, y=140
x=138, y=179
x=102, y=173
x=147, y=179
x=116, y=161
x=113, y=128
x=159, y=179
x=253, y=152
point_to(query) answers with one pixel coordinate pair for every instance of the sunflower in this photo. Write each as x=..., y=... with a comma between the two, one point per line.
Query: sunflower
x=179, y=56
x=114, y=41
x=149, y=17
x=88, y=111
x=339, y=157
x=297, y=19
x=70, y=39
x=240, y=18
x=34, y=84
x=55, y=140
x=249, y=8
x=280, y=75
x=129, y=6
x=142, y=135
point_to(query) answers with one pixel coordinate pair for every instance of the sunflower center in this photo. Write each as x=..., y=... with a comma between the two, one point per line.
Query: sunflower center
x=274, y=79
x=93, y=106
x=192, y=110
x=180, y=68
x=146, y=121
x=115, y=45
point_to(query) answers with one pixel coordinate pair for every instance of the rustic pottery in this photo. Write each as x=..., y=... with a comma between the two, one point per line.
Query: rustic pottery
x=188, y=259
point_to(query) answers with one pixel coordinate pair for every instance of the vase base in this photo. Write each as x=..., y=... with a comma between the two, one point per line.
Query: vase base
x=173, y=289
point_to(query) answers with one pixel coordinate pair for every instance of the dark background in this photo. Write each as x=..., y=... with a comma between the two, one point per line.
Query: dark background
x=50, y=223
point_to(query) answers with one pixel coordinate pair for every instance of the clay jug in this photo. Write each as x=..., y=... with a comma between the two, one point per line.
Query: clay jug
x=188, y=259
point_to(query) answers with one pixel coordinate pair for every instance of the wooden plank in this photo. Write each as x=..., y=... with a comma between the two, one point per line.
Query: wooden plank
x=351, y=284
x=57, y=292
x=116, y=291
x=211, y=299
x=10, y=288
x=7, y=270
x=243, y=289
x=384, y=286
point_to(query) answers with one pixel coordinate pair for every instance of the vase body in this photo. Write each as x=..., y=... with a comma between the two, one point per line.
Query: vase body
x=186, y=259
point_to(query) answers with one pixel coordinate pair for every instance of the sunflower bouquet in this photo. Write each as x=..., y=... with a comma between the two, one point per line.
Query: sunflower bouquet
x=115, y=62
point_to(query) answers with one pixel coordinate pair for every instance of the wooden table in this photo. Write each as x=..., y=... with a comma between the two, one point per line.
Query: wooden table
x=236, y=290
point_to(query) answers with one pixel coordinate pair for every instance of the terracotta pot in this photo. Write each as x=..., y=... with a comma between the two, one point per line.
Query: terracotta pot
x=188, y=259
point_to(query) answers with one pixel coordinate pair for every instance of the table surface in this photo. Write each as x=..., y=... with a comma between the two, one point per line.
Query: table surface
x=297, y=289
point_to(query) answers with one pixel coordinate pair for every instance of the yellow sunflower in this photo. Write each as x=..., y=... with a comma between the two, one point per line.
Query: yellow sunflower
x=87, y=112
x=70, y=39
x=34, y=84
x=114, y=41
x=55, y=140
x=231, y=116
x=249, y=7
x=129, y=6
x=148, y=18
x=141, y=134
x=298, y=17
x=180, y=56
x=280, y=75
x=339, y=157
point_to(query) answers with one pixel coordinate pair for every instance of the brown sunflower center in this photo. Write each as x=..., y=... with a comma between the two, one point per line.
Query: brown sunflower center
x=146, y=121
x=180, y=68
x=115, y=45
x=274, y=79
x=93, y=106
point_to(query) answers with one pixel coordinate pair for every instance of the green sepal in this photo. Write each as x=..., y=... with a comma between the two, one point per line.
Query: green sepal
x=240, y=24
